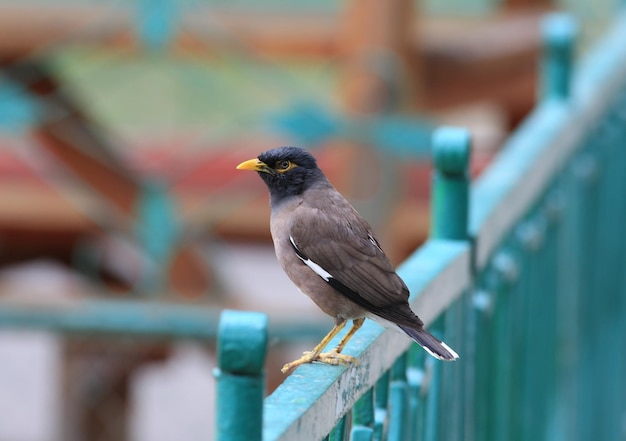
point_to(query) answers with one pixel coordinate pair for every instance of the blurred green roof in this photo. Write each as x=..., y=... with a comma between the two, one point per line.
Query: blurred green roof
x=130, y=92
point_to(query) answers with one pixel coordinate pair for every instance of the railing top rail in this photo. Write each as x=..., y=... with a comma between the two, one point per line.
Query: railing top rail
x=545, y=140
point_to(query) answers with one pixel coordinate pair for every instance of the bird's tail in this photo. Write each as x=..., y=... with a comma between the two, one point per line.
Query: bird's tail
x=431, y=344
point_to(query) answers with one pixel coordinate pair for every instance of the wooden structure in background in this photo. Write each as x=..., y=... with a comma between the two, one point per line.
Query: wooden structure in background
x=449, y=61
x=392, y=60
x=378, y=62
x=68, y=135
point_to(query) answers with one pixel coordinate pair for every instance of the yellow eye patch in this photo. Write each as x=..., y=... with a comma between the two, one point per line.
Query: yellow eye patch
x=284, y=166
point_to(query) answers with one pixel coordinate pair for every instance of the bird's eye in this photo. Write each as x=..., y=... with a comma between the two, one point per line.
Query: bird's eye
x=283, y=165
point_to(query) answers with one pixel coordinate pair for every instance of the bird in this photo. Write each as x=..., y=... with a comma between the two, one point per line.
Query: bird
x=331, y=254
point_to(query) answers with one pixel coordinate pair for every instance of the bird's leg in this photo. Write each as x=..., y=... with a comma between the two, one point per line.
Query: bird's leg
x=334, y=356
x=309, y=357
x=356, y=324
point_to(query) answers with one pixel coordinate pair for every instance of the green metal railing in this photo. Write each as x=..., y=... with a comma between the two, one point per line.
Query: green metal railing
x=524, y=275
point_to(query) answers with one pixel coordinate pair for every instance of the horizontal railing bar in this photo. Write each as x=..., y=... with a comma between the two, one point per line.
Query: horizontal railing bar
x=541, y=145
x=430, y=300
x=140, y=319
x=310, y=401
x=516, y=177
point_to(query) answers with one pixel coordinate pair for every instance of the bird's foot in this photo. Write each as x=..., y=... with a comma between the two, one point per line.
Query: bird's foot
x=331, y=357
x=335, y=358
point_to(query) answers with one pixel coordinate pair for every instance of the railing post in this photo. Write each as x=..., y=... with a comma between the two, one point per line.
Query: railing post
x=363, y=418
x=399, y=423
x=559, y=38
x=450, y=194
x=381, y=395
x=241, y=350
x=157, y=231
x=157, y=23
x=450, y=393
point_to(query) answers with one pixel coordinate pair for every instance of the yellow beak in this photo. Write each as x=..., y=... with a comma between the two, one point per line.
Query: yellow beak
x=254, y=165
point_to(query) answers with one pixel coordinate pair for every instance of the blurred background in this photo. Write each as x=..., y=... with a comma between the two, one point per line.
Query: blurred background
x=121, y=123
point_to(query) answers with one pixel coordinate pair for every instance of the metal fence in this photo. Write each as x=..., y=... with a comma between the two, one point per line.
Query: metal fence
x=524, y=275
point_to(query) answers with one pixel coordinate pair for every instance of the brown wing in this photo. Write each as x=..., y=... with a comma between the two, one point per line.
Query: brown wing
x=338, y=240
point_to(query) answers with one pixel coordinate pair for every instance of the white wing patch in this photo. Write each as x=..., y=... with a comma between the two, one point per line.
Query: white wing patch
x=314, y=266
x=374, y=242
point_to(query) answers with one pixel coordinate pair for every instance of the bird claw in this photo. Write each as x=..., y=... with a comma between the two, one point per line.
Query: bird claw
x=335, y=358
x=332, y=357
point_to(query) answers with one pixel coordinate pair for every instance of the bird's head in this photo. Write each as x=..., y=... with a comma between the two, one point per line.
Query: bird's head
x=287, y=171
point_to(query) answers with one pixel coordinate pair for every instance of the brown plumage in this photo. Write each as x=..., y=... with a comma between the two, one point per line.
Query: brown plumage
x=330, y=253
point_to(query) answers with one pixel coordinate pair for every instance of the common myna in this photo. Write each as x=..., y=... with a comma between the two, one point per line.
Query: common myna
x=330, y=253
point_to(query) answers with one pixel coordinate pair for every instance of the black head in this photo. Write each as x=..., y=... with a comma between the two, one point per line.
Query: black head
x=287, y=171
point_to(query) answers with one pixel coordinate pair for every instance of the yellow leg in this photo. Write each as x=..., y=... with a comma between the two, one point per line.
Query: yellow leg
x=332, y=357
x=356, y=324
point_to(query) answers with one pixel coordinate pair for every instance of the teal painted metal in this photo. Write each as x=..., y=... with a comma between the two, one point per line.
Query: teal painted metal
x=110, y=317
x=449, y=208
x=157, y=231
x=381, y=413
x=553, y=272
x=560, y=31
x=156, y=23
x=399, y=401
x=139, y=319
x=432, y=418
x=17, y=109
x=363, y=418
x=415, y=381
x=340, y=432
x=450, y=211
x=241, y=351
